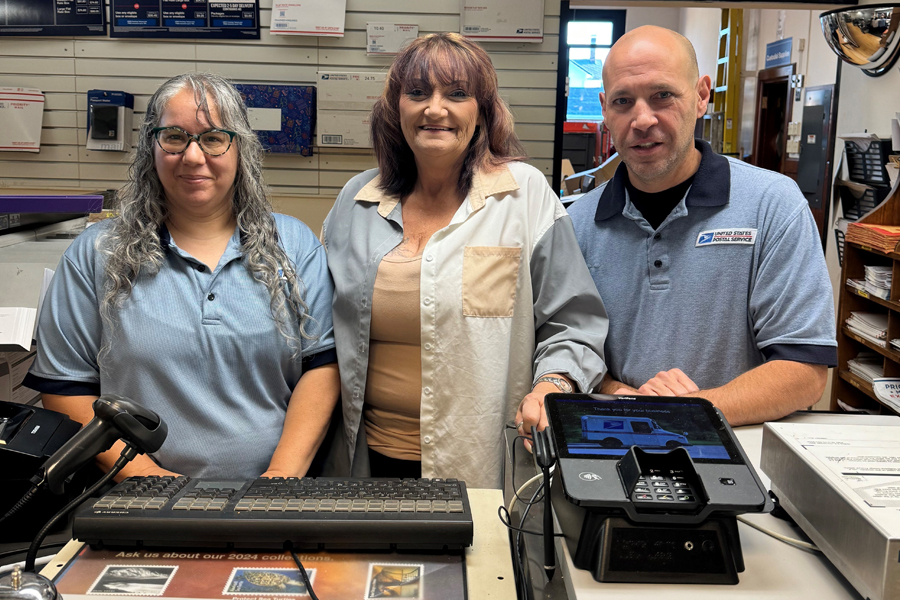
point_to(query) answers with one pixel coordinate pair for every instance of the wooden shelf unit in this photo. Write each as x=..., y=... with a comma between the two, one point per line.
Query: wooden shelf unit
x=851, y=389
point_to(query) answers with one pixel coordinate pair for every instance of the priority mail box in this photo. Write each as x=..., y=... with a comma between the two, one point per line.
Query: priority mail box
x=21, y=116
x=343, y=90
x=344, y=128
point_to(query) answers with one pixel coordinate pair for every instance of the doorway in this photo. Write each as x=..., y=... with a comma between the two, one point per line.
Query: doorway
x=774, y=105
x=585, y=37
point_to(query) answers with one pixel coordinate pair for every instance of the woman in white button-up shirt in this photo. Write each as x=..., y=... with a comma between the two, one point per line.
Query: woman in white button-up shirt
x=459, y=284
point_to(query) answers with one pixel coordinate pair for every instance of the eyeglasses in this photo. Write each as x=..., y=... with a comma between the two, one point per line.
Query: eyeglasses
x=175, y=140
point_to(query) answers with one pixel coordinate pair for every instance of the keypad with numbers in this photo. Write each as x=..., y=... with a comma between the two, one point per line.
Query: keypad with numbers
x=662, y=488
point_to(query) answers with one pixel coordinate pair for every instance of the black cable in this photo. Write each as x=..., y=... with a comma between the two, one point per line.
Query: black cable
x=546, y=458
x=549, y=549
x=304, y=576
x=515, y=538
x=506, y=519
x=513, y=475
x=519, y=539
x=517, y=578
x=128, y=453
x=22, y=502
x=538, y=496
x=507, y=522
x=512, y=453
x=518, y=565
x=8, y=553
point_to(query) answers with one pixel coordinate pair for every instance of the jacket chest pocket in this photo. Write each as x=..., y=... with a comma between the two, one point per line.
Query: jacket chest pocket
x=489, y=278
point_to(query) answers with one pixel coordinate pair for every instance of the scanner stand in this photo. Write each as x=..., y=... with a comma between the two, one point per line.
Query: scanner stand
x=615, y=549
x=655, y=541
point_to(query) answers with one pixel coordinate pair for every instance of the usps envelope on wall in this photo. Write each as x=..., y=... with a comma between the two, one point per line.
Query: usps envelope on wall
x=21, y=115
x=309, y=17
x=344, y=128
x=349, y=90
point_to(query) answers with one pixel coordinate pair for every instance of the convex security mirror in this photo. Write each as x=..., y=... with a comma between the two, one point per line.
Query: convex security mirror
x=864, y=36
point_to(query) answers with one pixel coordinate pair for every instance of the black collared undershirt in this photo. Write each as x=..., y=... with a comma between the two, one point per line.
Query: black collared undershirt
x=656, y=207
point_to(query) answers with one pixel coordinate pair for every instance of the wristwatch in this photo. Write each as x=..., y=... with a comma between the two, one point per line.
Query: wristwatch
x=563, y=385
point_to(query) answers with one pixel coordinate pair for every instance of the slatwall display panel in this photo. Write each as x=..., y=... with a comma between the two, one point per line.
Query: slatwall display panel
x=66, y=68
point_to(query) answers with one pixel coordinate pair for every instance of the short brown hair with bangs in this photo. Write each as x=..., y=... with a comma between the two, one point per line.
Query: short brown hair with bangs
x=445, y=58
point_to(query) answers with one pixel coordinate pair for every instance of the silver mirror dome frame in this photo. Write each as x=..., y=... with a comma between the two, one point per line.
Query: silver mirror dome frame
x=867, y=36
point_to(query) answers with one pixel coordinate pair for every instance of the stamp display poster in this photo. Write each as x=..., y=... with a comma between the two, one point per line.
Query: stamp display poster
x=247, y=575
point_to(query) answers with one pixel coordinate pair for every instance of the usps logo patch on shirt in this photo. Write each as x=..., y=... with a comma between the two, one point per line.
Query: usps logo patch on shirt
x=727, y=236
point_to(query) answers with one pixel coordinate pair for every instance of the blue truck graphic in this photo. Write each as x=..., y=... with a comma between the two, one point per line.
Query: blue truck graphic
x=624, y=432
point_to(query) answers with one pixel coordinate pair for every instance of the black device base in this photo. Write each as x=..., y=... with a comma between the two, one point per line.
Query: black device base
x=615, y=549
x=29, y=437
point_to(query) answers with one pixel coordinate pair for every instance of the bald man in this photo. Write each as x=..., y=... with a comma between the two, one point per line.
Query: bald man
x=711, y=270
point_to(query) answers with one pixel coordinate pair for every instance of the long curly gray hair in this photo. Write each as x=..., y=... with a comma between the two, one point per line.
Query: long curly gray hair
x=132, y=245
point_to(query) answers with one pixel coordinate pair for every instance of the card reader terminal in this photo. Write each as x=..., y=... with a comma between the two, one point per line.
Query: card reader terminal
x=607, y=445
x=649, y=487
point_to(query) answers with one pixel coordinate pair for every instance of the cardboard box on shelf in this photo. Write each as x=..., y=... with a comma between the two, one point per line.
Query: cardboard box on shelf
x=577, y=182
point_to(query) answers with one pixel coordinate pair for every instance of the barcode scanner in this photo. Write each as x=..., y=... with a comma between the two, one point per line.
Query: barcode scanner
x=115, y=418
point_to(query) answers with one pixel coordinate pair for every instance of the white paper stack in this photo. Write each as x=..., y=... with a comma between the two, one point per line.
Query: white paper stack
x=16, y=328
x=857, y=284
x=856, y=409
x=895, y=343
x=870, y=326
x=878, y=281
x=867, y=365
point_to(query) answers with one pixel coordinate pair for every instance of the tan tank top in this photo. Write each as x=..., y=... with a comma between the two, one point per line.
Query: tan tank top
x=394, y=380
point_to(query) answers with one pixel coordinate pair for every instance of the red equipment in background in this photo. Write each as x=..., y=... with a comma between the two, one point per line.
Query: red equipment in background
x=600, y=146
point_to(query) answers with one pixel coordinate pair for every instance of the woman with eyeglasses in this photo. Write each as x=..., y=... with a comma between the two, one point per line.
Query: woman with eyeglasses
x=196, y=301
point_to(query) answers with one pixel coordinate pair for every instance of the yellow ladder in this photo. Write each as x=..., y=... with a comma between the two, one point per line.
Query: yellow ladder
x=727, y=83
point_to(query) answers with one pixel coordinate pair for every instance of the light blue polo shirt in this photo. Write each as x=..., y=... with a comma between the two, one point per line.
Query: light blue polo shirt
x=200, y=348
x=733, y=277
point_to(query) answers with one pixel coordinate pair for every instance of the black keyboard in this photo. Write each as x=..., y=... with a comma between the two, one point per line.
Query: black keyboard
x=307, y=513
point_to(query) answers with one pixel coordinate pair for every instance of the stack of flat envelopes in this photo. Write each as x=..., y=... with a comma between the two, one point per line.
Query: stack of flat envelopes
x=869, y=326
x=867, y=365
x=878, y=280
x=880, y=237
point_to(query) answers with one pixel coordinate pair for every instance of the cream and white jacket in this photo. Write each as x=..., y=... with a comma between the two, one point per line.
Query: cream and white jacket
x=505, y=298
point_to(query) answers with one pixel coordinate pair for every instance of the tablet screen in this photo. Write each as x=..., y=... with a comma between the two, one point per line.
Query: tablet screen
x=586, y=427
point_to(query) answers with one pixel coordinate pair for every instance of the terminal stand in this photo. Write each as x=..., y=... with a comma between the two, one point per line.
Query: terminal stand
x=653, y=540
x=615, y=549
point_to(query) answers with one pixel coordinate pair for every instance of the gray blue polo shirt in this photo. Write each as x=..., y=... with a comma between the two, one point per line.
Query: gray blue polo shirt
x=200, y=348
x=733, y=277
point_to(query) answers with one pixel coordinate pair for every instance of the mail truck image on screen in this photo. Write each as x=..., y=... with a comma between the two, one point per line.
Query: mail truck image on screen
x=619, y=432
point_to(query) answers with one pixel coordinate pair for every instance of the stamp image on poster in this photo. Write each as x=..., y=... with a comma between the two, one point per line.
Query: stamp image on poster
x=395, y=580
x=131, y=580
x=268, y=581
